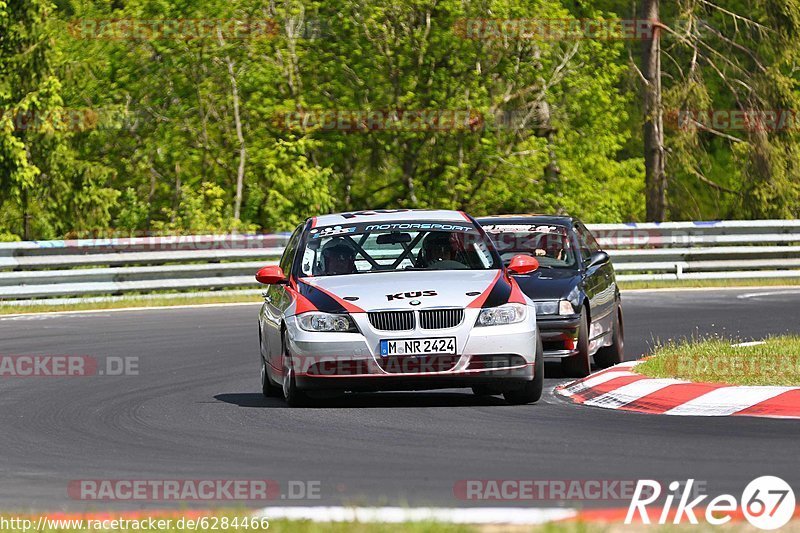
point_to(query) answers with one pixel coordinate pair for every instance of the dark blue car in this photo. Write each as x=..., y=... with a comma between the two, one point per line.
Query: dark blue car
x=578, y=306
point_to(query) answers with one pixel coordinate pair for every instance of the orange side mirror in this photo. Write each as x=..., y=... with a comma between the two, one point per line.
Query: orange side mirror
x=523, y=264
x=271, y=275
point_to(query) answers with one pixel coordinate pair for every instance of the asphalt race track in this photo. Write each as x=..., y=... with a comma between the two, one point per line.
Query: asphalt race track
x=194, y=411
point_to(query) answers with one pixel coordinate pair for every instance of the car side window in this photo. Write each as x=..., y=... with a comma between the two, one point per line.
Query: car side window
x=593, y=245
x=586, y=241
x=288, y=252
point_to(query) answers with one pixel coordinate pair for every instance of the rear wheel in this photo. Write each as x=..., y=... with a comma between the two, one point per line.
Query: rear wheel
x=615, y=353
x=268, y=389
x=532, y=390
x=579, y=365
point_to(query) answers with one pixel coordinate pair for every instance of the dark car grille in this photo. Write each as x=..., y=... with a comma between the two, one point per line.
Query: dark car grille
x=392, y=320
x=440, y=318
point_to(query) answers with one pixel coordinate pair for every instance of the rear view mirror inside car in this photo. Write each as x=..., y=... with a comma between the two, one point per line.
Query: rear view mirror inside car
x=395, y=237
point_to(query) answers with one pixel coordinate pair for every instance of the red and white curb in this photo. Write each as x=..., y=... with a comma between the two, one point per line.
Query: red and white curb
x=619, y=387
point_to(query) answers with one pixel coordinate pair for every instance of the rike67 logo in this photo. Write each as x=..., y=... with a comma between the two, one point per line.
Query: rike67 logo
x=767, y=502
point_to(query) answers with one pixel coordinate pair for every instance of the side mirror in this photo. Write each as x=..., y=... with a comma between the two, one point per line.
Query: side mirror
x=598, y=258
x=523, y=264
x=271, y=275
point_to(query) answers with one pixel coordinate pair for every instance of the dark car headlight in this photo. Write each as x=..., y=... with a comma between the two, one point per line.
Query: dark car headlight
x=318, y=321
x=554, y=307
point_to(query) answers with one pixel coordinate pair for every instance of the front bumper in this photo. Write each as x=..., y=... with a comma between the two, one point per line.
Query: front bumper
x=559, y=336
x=351, y=361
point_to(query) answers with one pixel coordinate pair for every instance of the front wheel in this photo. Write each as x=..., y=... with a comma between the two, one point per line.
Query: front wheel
x=531, y=392
x=579, y=365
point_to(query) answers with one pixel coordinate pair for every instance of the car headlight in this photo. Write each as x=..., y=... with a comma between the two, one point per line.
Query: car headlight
x=554, y=307
x=503, y=314
x=549, y=307
x=565, y=308
x=317, y=321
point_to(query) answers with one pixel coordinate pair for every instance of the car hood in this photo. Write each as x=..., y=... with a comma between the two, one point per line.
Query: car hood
x=396, y=290
x=548, y=283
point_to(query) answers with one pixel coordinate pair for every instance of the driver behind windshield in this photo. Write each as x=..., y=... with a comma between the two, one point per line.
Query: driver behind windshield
x=437, y=248
x=339, y=259
x=552, y=247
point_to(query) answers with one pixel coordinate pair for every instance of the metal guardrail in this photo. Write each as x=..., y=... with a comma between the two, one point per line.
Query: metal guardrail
x=84, y=267
x=735, y=249
x=640, y=252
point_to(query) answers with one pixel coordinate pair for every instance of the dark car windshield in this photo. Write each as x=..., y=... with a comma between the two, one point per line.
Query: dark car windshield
x=549, y=243
x=362, y=248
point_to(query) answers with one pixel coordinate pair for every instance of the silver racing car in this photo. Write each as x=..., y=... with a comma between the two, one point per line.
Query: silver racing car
x=397, y=300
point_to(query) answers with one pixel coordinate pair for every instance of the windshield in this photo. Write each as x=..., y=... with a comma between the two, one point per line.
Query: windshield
x=548, y=243
x=362, y=248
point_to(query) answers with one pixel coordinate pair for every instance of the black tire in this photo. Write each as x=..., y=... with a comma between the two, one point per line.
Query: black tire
x=268, y=389
x=483, y=390
x=531, y=392
x=580, y=364
x=615, y=353
x=294, y=397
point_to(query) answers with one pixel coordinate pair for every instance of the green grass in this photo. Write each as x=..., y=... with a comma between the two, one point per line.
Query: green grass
x=710, y=283
x=307, y=526
x=714, y=360
x=166, y=300
x=295, y=526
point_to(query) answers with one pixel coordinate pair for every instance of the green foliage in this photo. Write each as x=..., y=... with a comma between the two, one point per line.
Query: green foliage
x=741, y=58
x=559, y=129
x=200, y=210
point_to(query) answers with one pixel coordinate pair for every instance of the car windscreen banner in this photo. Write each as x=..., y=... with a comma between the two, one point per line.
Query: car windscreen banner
x=526, y=236
x=361, y=228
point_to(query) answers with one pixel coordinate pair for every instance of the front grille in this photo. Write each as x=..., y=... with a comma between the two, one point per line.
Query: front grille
x=440, y=318
x=392, y=320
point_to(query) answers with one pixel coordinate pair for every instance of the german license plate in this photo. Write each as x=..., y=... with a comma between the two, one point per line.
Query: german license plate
x=438, y=346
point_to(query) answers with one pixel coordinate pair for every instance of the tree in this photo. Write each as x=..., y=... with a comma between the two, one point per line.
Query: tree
x=730, y=61
x=654, y=152
x=46, y=189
